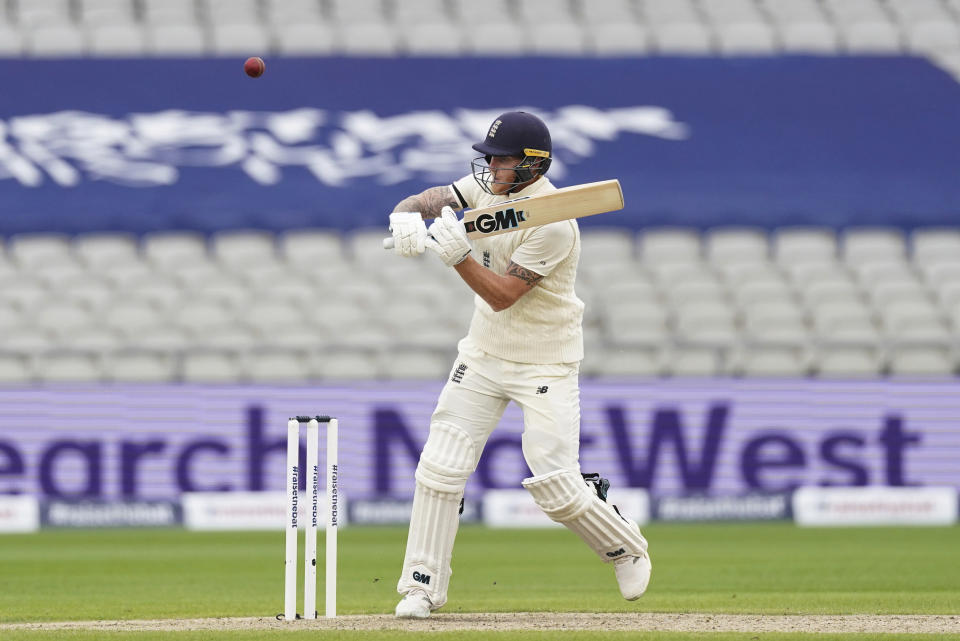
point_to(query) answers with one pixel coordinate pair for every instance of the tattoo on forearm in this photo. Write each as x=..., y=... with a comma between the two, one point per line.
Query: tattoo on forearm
x=410, y=203
x=429, y=202
x=435, y=199
x=524, y=274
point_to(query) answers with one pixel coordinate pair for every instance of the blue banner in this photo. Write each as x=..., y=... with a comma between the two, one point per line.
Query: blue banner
x=148, y=144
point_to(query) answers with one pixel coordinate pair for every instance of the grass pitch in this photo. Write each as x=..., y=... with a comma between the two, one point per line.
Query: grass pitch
x=722, y=568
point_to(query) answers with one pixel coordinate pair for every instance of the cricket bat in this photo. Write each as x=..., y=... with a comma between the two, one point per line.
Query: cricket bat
x=576, y=201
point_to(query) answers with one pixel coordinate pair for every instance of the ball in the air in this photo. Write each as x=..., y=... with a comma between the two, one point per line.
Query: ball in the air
x=254, y=67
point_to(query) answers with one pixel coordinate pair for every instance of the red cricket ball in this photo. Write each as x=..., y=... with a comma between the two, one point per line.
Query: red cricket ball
x=254, y=67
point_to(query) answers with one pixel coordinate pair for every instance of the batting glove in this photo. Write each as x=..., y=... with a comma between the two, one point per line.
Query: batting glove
x=409, y=232
x=448, y=238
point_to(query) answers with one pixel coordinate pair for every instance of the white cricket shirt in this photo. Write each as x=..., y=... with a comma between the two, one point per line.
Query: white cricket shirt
x=545, y=324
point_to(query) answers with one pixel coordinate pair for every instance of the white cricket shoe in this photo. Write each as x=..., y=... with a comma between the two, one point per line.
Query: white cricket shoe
x=633, y=575
x=415, y=604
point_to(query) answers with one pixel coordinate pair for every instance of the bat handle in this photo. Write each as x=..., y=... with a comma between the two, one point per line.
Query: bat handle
x=388, y=243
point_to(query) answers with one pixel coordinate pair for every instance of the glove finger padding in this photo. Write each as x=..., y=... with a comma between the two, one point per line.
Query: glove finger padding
x=449, y=238
x=409, y=233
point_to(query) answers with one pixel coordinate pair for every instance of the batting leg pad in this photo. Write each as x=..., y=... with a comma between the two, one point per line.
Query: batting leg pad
x=447, y=460
x=566, y=498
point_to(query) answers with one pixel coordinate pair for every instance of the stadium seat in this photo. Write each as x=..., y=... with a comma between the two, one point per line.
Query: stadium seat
x=15, y=369
x=222, y=289
x=60, y=317
x=90, y=338
x=692, y=361
x=774, y=360
x=10, y=317
x=866, y=243
x=11, y=41
x=735, y=244
x=299, y=336
x=55, y=40
x=611, y=13
x=809, y=37
x=921, y=361
x=130, y=316
x=665, y=244
x=22, y=292
x=106, y=12
x=935, y=244
x=68, y=368
x=409, y=14
x=238, y=39
x=273, y=366
x=496, y=39
x=200, y=315
x=792, y=245
x=169, y=11
x=416, y=364
x=169, y=249
x=746, y=38
x=36, y=251
x=625, y=38
x=292, y=11
x=159, y=338
x=844, y=320
x=297, y=36
x=347, y=365
x=32, y=13
x=26, y=340
x=210, y=367
x=696, y=289
x=623, y=362
x=368, y=39
x=469, y=12
x=566, y=39
x=241, y=248
x=364, y=335
x=752, y=292
x=871, y=36
x=661, y=12
x=176, y=40
x=931, y=36
x=683, y=38
x=117, y=40
x=228, y=337
x=139, y=367
x=157, y=290
x=232, y=12
x=358, y=11
x=790, y=11
x=99, y=251
x=840, y=361
x=431, y=39
x=707, y=323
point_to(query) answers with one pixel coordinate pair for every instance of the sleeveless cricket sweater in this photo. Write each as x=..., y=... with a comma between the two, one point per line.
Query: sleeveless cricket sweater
x=545, y=325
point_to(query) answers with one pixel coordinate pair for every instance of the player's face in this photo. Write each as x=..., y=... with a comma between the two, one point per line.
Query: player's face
x=501, y=168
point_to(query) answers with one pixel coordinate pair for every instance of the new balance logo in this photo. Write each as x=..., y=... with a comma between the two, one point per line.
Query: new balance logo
x=458, y=373
x=425, y=578
x=612, y=555
x=542, y=390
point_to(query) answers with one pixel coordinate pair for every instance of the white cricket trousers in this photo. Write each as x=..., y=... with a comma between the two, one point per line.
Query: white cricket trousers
x=471, y=404
x=479, y=388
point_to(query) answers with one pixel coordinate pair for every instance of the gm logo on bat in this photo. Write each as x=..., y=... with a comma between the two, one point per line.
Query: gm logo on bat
x=489, y=223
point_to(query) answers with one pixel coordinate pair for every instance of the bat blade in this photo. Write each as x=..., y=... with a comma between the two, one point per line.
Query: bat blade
x=576, y=201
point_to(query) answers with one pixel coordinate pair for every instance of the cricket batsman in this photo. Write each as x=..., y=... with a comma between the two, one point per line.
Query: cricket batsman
x=525, y=344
